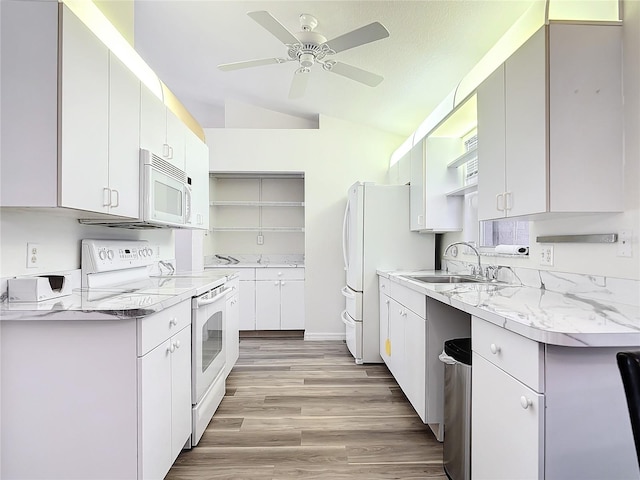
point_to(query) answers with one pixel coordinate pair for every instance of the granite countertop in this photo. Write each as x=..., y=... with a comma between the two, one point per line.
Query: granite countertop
x=119, y=302
x=567, y=319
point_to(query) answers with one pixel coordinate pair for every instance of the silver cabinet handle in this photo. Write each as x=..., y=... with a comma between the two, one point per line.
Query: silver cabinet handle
x=106, y=197
x=117, y=195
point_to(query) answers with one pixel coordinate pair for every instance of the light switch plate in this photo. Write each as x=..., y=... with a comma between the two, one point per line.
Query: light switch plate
x=546, y=255
x=624, y=243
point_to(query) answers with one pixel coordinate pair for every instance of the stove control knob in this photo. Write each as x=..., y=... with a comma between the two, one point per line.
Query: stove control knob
x=149, y=251
x=143, y=253
x=102, y=255
x=110, y=254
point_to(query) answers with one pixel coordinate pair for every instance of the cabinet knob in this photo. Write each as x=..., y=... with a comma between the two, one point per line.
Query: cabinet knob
x=387, y=302
x=173, y=322
x=282, y=282
x=177, y=343
x=494, y=349
x=279, y=274
x=525, y=402
x=276, y=282
x=172, y=348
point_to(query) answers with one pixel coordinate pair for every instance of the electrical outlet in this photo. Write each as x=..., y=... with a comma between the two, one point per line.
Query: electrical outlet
x=546, y=255
x=260, y=240
x=33, y=255
x=624, y=243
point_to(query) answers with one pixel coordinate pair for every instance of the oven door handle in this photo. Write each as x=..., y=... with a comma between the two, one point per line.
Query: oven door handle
x=201, y=302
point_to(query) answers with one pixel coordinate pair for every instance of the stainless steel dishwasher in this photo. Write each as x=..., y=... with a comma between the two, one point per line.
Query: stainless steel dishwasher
x=456, y=456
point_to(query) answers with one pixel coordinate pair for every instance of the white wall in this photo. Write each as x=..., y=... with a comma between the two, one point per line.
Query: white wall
x=600, y=259
x=59, y=236
x=332, y=158
x=242, y=115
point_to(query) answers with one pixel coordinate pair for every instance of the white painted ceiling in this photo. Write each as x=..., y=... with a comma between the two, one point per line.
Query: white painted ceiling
x=432, y=45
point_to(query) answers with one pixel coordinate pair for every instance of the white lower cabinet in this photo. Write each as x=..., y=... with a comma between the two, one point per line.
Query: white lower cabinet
x=413, y=329
x=164, y=390
x=280, y=299
x=508, y=425
x=546, y=411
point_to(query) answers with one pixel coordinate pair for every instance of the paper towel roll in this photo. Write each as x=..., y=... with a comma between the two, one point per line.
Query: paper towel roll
x=512, y=249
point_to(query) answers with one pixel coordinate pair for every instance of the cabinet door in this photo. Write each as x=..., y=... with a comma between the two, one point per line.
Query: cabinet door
x=84, y=110
x=247, y=299
x=153, y=123
x=415, y=361
x=526, y=145
x=491, y=146
x=180, y=390
x=232, y=343
x=417, y=188
x=176, y=138
x=385, y=310
x=507, y=438
x=396, y=338
x=154, y=420
x=124, y=139
x=292, y=304
x=197, y=169
x=268, y=305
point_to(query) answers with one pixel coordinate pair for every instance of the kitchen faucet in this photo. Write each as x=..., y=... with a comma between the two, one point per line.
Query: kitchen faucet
x=475, y=250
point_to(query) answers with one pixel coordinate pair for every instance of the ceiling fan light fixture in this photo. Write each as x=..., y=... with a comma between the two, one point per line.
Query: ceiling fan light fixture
x=307, y=60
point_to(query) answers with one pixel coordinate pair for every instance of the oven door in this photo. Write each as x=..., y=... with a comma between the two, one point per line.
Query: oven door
x=208, y=336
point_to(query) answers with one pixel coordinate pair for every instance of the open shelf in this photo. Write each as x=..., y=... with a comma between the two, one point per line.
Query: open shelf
x=459, y=192
x=464, y=158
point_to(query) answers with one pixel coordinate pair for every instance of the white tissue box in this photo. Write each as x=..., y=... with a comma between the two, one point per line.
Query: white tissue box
x=38, y=289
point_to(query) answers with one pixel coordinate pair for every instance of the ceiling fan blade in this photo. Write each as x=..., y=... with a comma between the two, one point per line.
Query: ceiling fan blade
x=273, y=26
x=299, y=83
x=367, y=34
x=357, y=74
x=226, y=67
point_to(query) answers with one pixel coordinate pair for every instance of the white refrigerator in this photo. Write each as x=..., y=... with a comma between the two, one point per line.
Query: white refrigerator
x=376, y=235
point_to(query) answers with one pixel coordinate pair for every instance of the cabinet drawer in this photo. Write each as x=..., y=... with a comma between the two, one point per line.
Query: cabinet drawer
x=234, y=285
x=247, y=273
x=415, y=301
x=155, y=329
x=280, y=274
x=384, y=284
x=518, y=356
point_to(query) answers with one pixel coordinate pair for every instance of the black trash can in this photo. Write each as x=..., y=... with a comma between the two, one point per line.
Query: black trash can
x=457, y=408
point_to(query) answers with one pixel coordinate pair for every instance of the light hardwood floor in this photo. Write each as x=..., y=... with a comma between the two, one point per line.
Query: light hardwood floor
x=296, y=409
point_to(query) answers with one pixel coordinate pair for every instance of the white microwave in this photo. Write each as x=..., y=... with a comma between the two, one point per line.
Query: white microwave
x=165, y=195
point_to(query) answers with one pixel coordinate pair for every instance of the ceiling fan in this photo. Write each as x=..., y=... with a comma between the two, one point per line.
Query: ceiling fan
x=309, y=47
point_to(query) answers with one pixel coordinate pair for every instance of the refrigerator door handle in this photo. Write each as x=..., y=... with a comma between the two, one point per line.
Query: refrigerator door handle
x=346, y=320
x=346, y=292
x=345, y=236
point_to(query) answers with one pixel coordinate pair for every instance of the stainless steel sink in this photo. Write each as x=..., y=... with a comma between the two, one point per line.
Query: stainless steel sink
x=446, y=279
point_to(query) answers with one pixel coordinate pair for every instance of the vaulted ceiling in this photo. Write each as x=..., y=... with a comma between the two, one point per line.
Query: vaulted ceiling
x=431, y=46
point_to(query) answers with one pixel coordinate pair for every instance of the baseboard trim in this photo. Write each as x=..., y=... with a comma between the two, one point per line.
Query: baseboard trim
x=324, y=336
x=271, y=333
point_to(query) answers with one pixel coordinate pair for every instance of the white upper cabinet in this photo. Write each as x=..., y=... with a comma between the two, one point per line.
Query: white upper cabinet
x=84, y=118
x=99, y=130
x=439, y=173
x=550, y=125
x=124, y=139
x=161, y=131
x=197, y=169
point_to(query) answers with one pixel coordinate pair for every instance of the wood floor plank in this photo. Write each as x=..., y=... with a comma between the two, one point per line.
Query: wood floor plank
x=305, y=410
